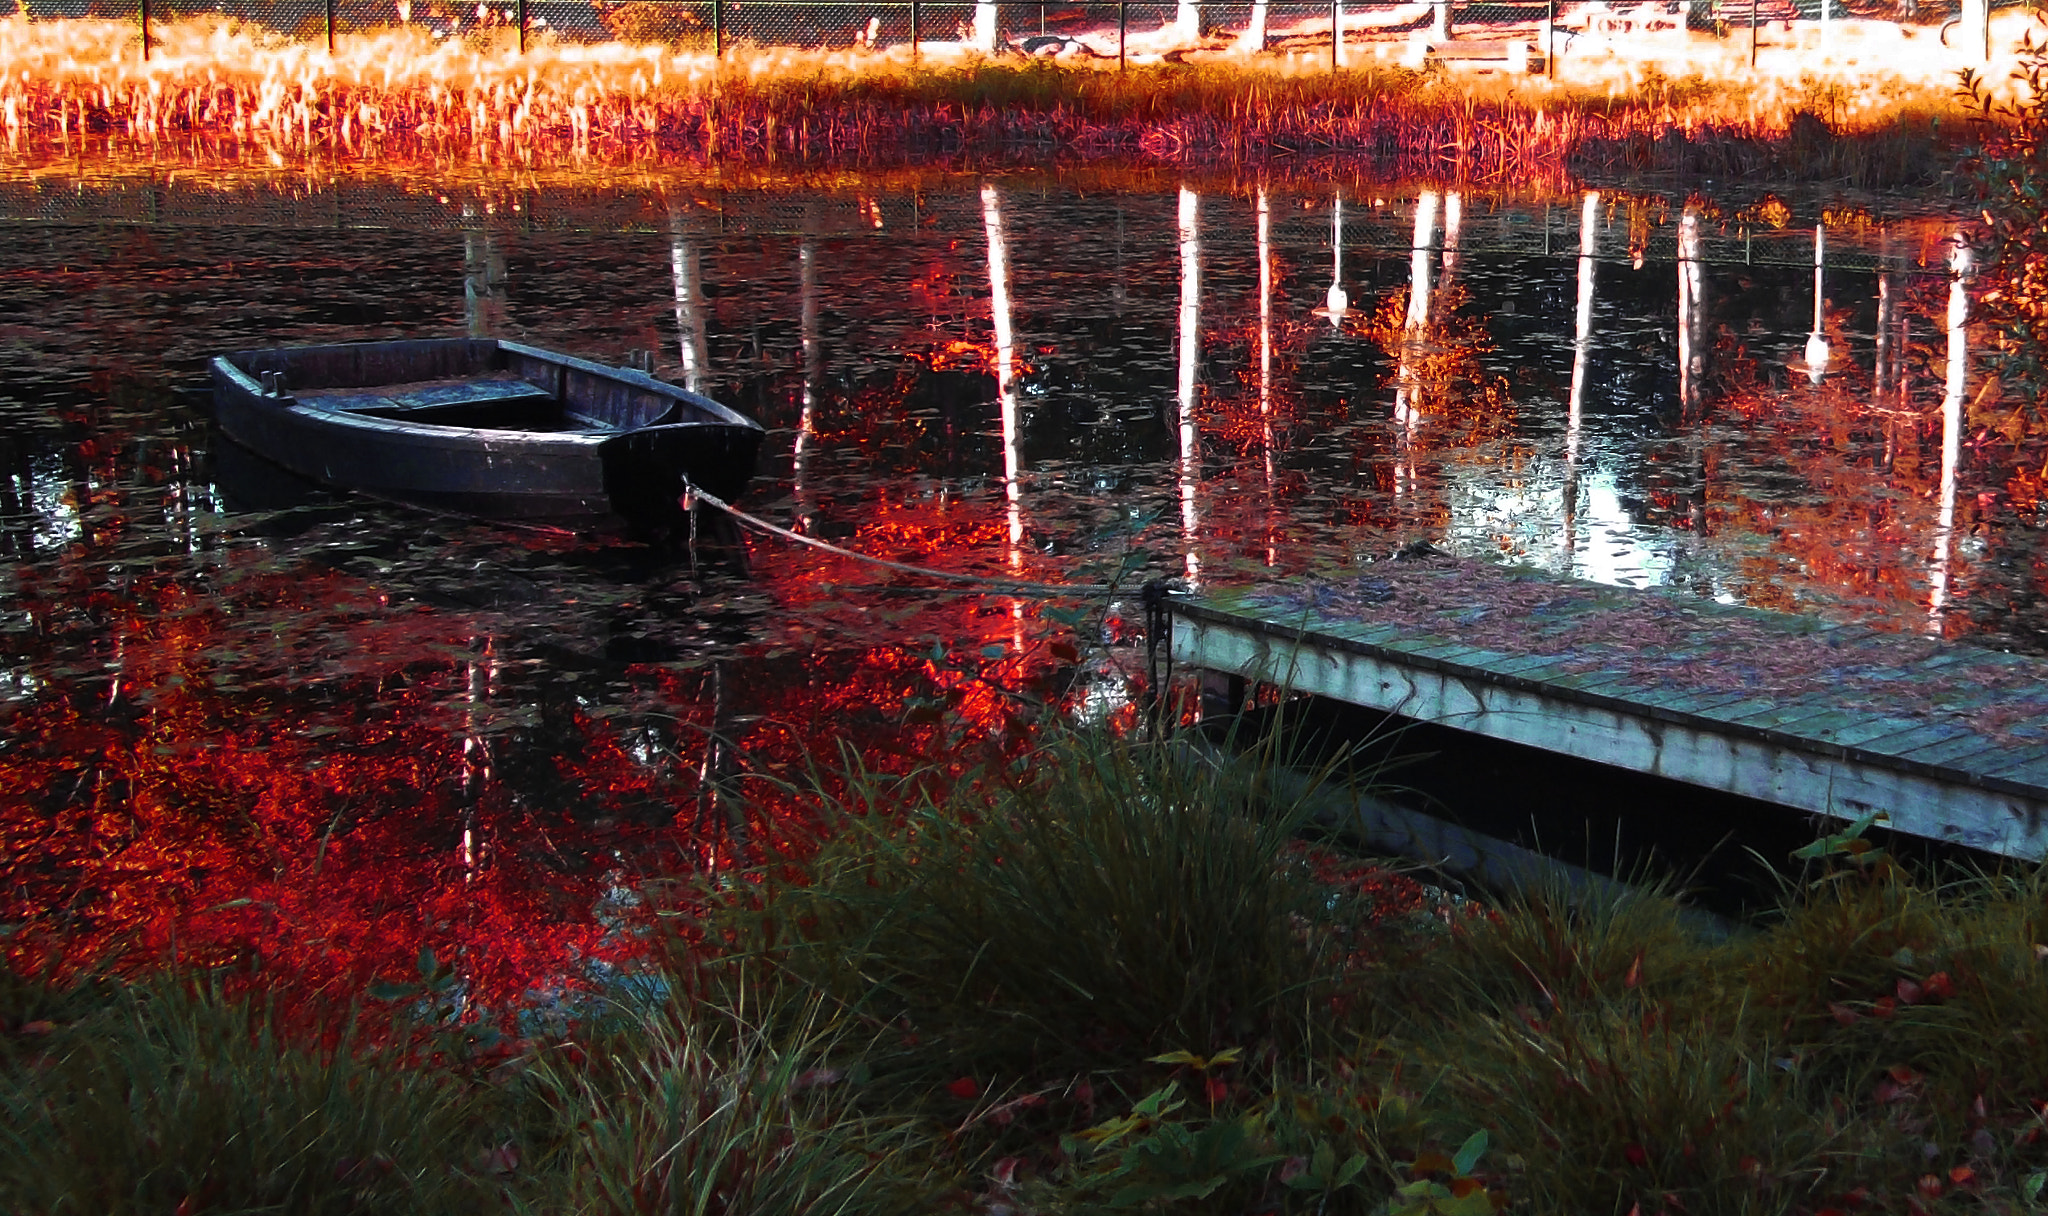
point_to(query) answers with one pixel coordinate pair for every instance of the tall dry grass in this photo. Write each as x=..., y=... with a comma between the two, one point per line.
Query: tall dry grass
x=387, y=91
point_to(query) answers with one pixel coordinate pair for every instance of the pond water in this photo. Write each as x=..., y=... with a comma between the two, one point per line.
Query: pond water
x=246, y=718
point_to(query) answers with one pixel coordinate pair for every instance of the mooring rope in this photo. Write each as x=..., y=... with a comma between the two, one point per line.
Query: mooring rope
x=1005, y=586
x=1156, y=595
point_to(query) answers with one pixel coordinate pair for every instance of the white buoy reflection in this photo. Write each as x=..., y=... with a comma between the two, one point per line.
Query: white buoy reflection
x=1691, y=309
x=1817, y=350
x=807, y=402
x=686, y=277
x=1006, y=368
x=1421, y=251
x=1960, y=263
x=1336, y=302
x=1190, y=353
x=1582, y=349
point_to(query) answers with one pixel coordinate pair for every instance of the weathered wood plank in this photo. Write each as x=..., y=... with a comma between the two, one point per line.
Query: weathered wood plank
x=1866, y=737
x=1965, y=753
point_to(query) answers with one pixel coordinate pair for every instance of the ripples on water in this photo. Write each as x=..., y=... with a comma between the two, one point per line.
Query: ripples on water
x=244, y=715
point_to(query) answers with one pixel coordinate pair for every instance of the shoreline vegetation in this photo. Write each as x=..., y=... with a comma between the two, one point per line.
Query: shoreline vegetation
x=1115, y=978
x=1698, y=113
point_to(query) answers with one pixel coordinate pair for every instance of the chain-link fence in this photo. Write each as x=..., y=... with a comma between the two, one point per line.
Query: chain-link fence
x=1518, y=35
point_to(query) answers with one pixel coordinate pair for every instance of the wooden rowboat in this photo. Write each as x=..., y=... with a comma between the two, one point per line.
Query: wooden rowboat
x=488, y=428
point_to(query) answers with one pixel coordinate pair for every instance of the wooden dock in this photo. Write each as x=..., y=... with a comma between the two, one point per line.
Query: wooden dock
x=1949, y=740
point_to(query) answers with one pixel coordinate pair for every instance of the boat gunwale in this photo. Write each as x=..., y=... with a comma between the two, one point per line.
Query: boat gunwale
x=230, y=364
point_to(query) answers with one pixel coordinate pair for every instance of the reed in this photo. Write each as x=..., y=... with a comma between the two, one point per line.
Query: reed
x=393, y=91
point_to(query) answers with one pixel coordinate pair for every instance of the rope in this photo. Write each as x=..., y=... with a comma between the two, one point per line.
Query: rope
x=1005, y=586
x=1157, y=595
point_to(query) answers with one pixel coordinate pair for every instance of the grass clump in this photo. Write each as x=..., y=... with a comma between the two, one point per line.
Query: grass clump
x=684, y=1106
x=1109, y=978
x=1112, y=896
x=173, y=1096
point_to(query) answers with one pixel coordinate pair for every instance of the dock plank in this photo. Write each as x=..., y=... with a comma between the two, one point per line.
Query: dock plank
x=1836, y=719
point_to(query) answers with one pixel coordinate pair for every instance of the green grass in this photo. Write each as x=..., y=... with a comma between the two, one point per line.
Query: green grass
x=1109, y=979
x=1118, y=896
x=171, y=1096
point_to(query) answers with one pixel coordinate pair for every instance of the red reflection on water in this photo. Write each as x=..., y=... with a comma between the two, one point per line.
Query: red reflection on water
x=278, y=768
x=265, y=763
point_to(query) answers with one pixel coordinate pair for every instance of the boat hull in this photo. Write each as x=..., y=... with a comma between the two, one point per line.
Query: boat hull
x=569, y=443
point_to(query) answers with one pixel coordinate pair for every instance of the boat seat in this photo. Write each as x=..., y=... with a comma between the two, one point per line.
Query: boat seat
x=496, y=403
x=403, y=400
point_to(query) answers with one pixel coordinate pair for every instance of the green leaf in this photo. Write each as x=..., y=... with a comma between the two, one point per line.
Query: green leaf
x=1148, y=1192
x=1848, y=840
x=1177, y=1057
x=385, y=990
x=1469, y=1153
x=1157, y=1103
x=1324, y=1163
x=1350, y=1171
x=993, y=652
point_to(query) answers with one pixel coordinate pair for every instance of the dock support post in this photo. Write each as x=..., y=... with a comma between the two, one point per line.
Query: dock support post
x=718, y=29
x=522, y=26
x=1156, y=598
x=1123, y=26
x=330, y=26
x=143, y=11
x=1223, y=694
x=916, y=24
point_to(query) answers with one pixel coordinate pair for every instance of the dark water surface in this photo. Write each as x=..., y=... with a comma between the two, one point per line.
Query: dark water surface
x=244, y=717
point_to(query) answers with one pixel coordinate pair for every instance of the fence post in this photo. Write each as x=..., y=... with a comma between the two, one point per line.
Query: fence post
x=330, y=26
x=1123, y=25
x=522, y=27
x=1549, y=61
x=718, y=29
x=143, y=10
x=916, y=20
x=1336, y=30
x=1752, y=31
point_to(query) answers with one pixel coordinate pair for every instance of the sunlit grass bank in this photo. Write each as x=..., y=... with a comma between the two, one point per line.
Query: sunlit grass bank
x=1868, y=119
x=1110, y=980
